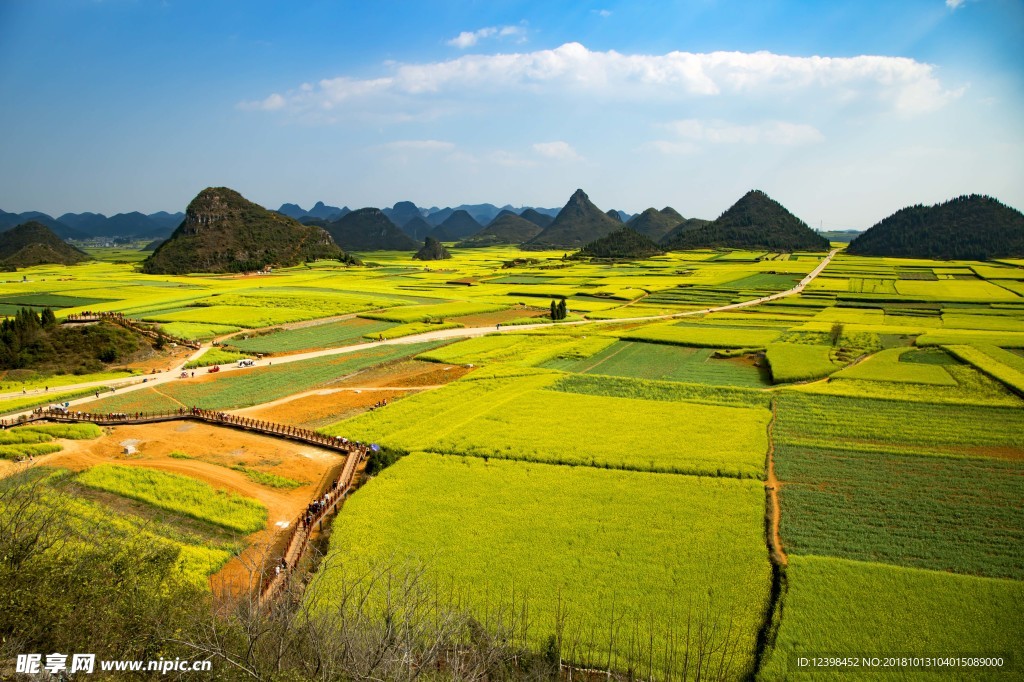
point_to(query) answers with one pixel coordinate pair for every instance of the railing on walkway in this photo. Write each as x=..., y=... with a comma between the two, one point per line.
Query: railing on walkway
x=302, y=528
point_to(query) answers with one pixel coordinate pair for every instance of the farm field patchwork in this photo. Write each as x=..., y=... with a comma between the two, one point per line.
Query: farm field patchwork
x=551, y=533
x=252, y=386
x=667, y=363
x=836, y=607
x=329, y=335
x=703, y=336
x=953, y=514
x=517, y=419
x=886, y=366
x=893, y=425
x=800, y=361
x=600, y=459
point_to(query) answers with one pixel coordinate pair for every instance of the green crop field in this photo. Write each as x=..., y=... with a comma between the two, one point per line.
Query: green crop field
x=971, y=387
x=548, y=533
x=329, y=335
x=944, y=513
x=703, y=336
x=838, y=608
x=517, y=419
x=409, y=329
x=886, y=366
x=37, y=439
x=667, y=363
x=643, y=389
x=995, y=362
x=215, y=356
x=859, y=423
x=416, y=313
x=178, y=494
x=800, y=362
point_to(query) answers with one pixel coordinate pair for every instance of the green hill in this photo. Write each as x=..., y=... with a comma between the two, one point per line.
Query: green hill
x=576, y=225
x=33, y=243
x=685, y=226
x=432, y=250
x=418, y=228
x=459, y=225
x=368, y=229
x=539, y=219
x=655, y=224
x=507, y=228
x=971, y=227
x=623, y=244
x=756, y=221
x=224, y=232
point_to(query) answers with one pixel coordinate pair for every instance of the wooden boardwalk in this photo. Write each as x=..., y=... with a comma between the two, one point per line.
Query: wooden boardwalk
x=326, y=503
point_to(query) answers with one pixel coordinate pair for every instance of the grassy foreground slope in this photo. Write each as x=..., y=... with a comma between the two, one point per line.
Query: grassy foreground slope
x=836, y=607
x=548, y=535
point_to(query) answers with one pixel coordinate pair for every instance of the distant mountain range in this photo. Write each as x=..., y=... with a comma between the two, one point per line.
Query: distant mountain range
x=82, y=226
x=967, y=227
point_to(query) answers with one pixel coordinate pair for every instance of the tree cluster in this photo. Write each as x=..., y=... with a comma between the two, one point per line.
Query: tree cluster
x=624, y=244
x=31, y=340
x=559, y=310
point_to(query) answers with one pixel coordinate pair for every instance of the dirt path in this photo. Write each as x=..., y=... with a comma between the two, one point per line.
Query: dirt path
x=441, y=335
x=772, y=487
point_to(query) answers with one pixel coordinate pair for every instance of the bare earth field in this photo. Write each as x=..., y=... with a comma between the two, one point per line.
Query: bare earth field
x=221, y=448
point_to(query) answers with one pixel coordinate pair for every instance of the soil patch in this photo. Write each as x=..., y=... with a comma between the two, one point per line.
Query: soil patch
x=212, y=450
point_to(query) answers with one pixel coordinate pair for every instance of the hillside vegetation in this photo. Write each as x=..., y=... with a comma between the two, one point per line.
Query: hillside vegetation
x=624, y=244
x=368, y=229
x=968, y=227
x=33, y=243
x=756, y=221
x=577, y=224
x=29, y=340
x=224, y=232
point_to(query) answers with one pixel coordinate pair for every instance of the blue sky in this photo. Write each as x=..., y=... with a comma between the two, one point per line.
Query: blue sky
x=843, y=111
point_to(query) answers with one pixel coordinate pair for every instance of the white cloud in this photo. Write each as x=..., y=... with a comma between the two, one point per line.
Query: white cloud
x=558, y=150
x=420, y=145
x=953, y=4
x=468, y=39
x=603, y=13
x=895, y=83
x=271, y=103
x=769, y=132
